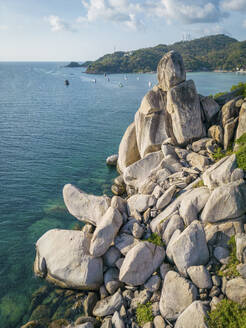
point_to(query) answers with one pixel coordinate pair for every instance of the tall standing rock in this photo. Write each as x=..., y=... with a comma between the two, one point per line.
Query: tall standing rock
x=170, y=70
x=128, y=149
x=183, y=105
x=152, y=122
x=242, y=122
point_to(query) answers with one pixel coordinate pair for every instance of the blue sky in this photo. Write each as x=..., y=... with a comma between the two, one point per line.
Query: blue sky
x=65, y=30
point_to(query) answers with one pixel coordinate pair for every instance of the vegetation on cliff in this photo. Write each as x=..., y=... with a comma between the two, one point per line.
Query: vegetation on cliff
x=208, y=53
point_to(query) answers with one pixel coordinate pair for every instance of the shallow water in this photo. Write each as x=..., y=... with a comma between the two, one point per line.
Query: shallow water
x=51, y=135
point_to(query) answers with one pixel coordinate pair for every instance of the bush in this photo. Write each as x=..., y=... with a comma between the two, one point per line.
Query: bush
x=241, y=152
x=199, y=184
x=242, y=86
x=231, y=268
x=227, y=314
x=144, y=313
x=155, y=239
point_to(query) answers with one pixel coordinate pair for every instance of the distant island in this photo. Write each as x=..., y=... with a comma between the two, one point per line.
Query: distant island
x=217, y=52
x=77, y=65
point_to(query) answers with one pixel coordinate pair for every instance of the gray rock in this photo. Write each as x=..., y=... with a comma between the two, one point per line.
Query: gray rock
x=220, y=173
x=111, y=256
x=124, y=243
x=85, y=207
x=215, y=301
x=111, y=280
x=229, y=131
x=117, y=321
x=200, y=276
x=166, y=198
x=119, y=263
x=184, y=107
x=107, y=323
x=164, y=268
x=169, y=250
x=222, y=254
x=119, y=204
x=237, y=174
x=108, y=305
x=85, y=325
x=134, y=228
x=159, y=322
x=151, y=122
x=170, y=70
x=242, y=122
x=225, y=202
x=210, y=107
x=241, y=247
x=177, y=294
x=236, y=290
x=216, y=281
x=193, y=317
x=241, y=268
x=216, y=132
x=103, y=292
x=112, y=160
x=71, y=266
x=200, y=144
x=190, y=248
x=229, y=111
x=136, y=174
x=197, y=160
x=105, y=232
x=140, y=262
x=140, y=203
x=174, y=224
x=193, y=203
x=128, y=149
x=168, y=149
x=148, y=325
x=153, y=283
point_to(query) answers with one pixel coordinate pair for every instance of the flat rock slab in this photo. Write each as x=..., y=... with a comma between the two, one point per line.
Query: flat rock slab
x=108, y=305
x=62, y=257
x=177, y=294
x=225, y=203
x=83, y=206
x=140, y=262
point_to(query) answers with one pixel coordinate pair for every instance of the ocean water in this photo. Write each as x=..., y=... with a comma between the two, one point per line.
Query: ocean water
x=51, y=135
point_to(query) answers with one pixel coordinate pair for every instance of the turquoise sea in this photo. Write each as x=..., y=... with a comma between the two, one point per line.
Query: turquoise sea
x=51, y=135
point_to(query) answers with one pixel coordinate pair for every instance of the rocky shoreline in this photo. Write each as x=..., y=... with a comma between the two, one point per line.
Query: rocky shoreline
x=157, y=253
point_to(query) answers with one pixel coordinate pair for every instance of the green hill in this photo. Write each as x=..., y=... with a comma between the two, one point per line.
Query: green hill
x=208, y=53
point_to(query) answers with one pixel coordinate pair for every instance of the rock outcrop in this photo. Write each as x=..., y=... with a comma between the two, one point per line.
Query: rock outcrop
x=180, y=225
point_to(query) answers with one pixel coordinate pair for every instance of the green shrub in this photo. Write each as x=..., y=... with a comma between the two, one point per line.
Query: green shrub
x=199, y=184
x=144, y=313
x=220, y=153
x=241, y=85
x=219, y=94
x=227, y=314
x=230, y=270
x=241, y=152
x=155, y=239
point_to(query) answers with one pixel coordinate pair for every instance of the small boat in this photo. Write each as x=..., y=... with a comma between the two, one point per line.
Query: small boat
x=150, y=84
x=108, y=79
x=94, y=81
x=138, y=78
x=66, y=82
x=120, y=85
x=125, y=78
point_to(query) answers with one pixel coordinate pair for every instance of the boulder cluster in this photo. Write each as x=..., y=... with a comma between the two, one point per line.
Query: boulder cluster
x=163, y=242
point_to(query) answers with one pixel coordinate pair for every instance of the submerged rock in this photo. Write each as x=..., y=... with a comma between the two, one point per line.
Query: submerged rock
x=63, y=258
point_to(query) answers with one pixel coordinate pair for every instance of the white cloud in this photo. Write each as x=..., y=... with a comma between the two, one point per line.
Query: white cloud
x=56, y=24
x=3, y=27
x=120, y=11
x=234, y=5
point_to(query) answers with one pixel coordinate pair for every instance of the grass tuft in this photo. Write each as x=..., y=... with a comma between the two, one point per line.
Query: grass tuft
x=199, y=184
x=227, y=314
x=155, y=239
x=230, y=270
x=144, y=313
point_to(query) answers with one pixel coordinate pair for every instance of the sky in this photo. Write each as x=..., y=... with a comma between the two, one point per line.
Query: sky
x=80, y=30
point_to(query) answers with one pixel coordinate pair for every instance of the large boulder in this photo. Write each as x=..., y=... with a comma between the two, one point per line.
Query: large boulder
x=229, y=132
x=184, y=107
x=128, y=149
x=105, y=232
x=63, y=258
x=177, y=294
x=229, y=111
x=193, y=203
x=85, y=207
x=140, y=262
x=170, y=70
x=151, y=121
x=137, y=173
x=193, y=317
x=236, y=290
x=210, y=107
x=220, y=173
x=225, y=203
x=190, y=248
